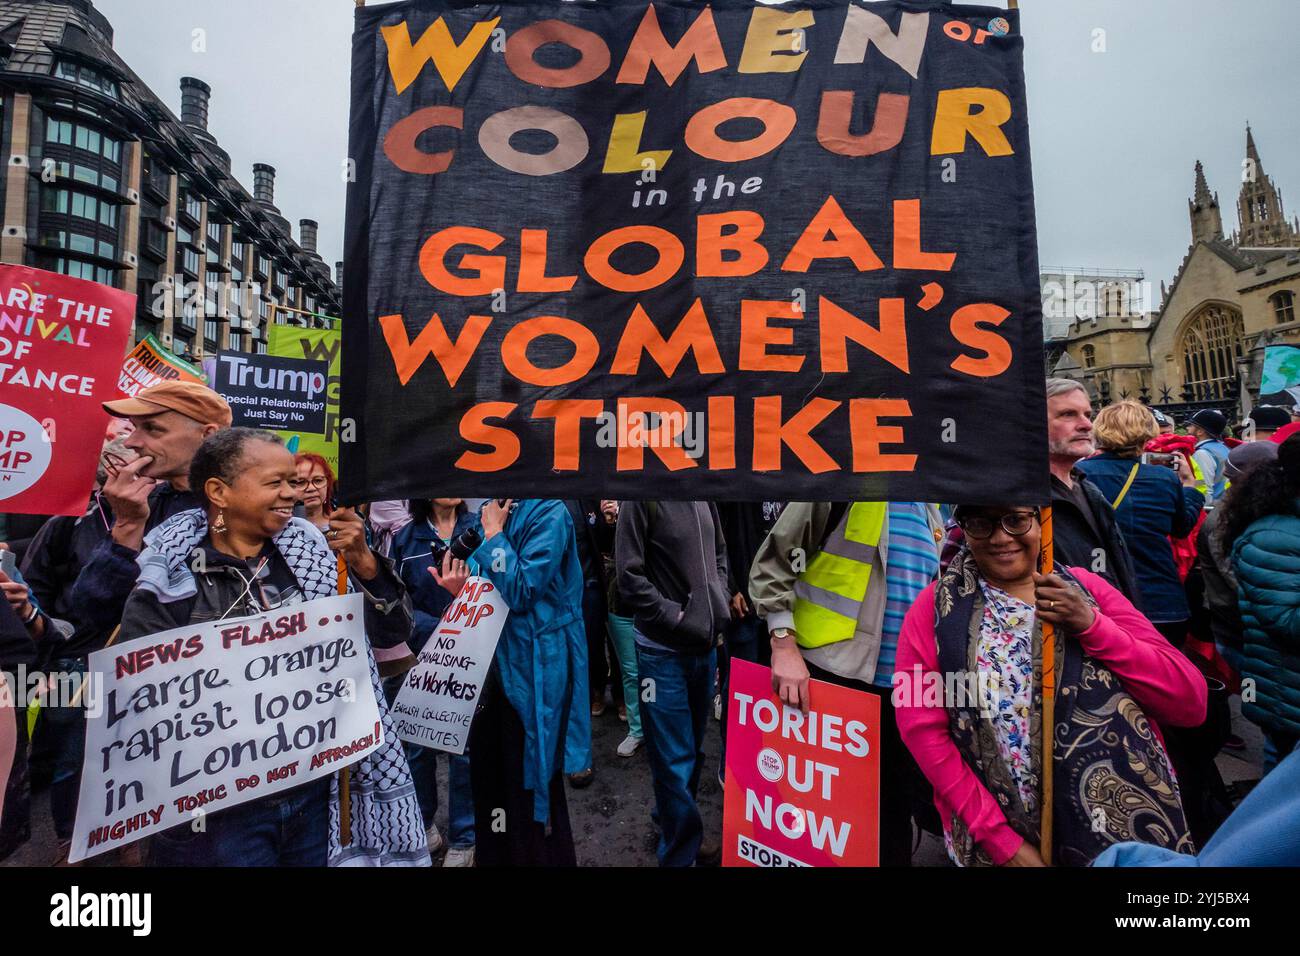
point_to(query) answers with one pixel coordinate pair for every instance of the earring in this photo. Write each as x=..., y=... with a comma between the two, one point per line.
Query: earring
x=219, y=526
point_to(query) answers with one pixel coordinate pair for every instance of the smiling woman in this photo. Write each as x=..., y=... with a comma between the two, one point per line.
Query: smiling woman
x=1122, y=685
x=244, y=554
x=247, y=480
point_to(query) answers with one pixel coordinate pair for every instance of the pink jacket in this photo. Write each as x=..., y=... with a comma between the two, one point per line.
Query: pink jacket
x=1165, y=684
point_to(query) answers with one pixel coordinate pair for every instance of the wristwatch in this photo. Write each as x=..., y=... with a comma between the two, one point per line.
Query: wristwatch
x=781, y=633
x=31, y=617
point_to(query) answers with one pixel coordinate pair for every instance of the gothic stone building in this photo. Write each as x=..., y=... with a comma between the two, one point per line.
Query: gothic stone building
x=1232, y=297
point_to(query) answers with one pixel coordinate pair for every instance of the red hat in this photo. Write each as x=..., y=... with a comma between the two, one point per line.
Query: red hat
x=1285, y=432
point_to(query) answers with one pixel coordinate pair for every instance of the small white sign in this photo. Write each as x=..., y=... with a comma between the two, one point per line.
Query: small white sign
x=435, y=706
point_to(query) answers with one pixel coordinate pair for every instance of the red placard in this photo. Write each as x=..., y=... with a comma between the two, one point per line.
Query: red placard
x=61, y=346
x=802, y=789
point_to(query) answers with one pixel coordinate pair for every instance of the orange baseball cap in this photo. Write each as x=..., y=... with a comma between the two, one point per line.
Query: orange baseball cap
x=192, y=399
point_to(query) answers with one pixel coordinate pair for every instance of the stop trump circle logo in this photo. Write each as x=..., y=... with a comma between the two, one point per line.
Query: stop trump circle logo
x=24, y=451
x=801, y=789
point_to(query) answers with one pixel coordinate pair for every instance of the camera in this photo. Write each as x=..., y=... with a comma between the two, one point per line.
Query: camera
x=461, y=547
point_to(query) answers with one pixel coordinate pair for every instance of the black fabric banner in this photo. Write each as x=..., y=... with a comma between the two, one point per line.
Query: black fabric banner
x=684, y=250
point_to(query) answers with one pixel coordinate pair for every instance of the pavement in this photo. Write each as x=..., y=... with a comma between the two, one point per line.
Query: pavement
x=611, y=817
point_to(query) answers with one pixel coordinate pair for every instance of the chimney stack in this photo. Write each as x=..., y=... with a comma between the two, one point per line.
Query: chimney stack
x=264, y=183
x=194, y=102
x=307, y=230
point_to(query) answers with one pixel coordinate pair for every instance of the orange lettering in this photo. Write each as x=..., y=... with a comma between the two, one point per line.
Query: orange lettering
x=722, y=432
x=568, y=414
x=692, y=334
x=838, y=326
x=702, y=129
x=475, y=429
x=491, y=270
x=756, y=335
x=836, y=117
x=671, y=256
x=907, y=240
x=593, y=59
x=433, y=340
x=650, y=48
x=830, y=235
x=771, y=434
x=400, y=143
x=532, y=265
x=514, y=350
x=966, y=329
x=868, y=434
x=711, y=242
x=631, y=455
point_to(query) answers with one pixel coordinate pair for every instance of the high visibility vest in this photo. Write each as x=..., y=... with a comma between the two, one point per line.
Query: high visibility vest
x=1201, y=485
x=830, y=592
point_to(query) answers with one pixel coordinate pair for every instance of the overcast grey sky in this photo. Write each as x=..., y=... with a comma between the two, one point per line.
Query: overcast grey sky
x=1115, y=135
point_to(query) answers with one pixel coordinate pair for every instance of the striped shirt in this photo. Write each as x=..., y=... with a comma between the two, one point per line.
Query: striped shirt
x=913, y=563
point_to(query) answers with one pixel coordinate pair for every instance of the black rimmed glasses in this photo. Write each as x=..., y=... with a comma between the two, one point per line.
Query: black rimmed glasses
x=1014, y=523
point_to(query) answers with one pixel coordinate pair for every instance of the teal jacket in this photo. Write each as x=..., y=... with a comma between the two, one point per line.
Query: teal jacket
x=542, y=654
x=1267, y=561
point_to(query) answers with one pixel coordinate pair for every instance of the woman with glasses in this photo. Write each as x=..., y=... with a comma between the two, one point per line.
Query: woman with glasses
x=315, y=484
x=968, y=697
x=244, y=553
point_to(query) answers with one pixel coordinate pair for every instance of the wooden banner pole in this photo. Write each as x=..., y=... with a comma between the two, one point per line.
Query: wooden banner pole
x=1049, y=704
x=345, y=775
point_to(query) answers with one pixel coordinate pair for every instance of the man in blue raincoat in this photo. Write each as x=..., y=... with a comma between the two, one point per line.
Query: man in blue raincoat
x=533, y=722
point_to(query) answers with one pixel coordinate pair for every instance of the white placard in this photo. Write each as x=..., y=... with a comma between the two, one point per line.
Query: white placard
x=197, y=719
x=436, y=704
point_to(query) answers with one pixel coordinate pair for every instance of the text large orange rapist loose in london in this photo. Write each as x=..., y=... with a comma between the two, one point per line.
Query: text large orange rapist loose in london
x=801, y=789
x=690, y=250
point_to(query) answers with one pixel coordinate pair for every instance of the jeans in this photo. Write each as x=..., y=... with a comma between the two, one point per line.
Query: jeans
x=424, y=774
x=287, y=829
x=675, y=714
x=743, y=640
x=622, y=637
x=460, y=794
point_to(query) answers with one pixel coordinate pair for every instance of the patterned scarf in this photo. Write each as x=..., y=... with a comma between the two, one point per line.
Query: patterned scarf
x=387, y=828
x=1113, y=781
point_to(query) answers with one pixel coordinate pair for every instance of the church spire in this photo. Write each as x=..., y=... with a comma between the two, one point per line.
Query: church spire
x=1202, y=187
x=1207, y=223
x=1259, y=208
x=1252, y=152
